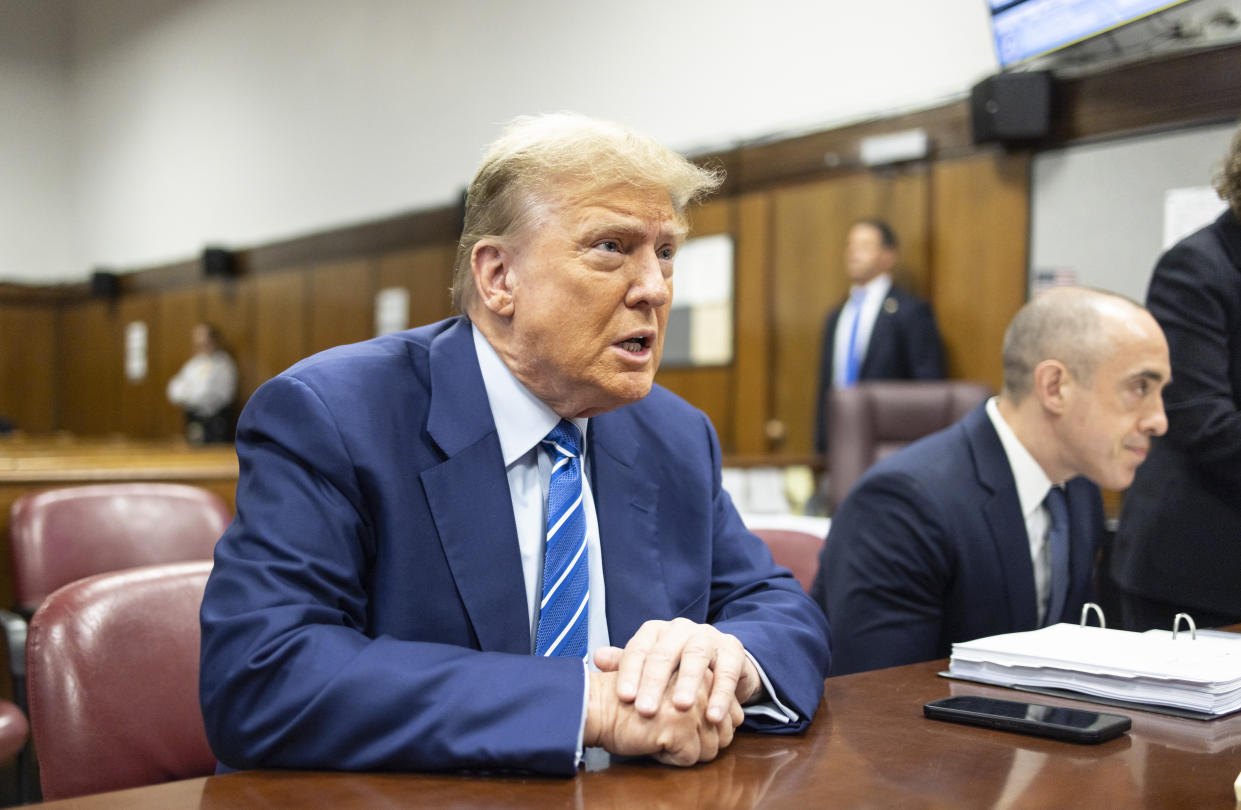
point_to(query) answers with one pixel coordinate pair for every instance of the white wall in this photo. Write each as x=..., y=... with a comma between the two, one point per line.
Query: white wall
x=37, y=233
x=1097, y=209
x=239, y=122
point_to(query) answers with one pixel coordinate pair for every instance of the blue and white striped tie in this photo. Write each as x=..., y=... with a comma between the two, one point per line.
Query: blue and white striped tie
x=566, y=577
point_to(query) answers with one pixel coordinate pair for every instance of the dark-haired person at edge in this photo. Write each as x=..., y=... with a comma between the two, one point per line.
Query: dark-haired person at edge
x=492, y=542
x=1178, y=546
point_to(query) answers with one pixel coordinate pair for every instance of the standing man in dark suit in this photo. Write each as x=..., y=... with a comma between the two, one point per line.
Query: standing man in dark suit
x=1178, y=548
x=880, y=332
x=991, y=526
x=491, y=542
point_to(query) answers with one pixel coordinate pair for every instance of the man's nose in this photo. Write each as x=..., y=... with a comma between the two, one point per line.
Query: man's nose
x=1156, y=421
x=649, y=285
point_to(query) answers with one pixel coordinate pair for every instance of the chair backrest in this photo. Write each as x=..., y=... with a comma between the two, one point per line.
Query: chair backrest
x=793, y=540
x=796, y=550
x=13, y=730
x=61, y=535
x=112, y=681
x=872, y=420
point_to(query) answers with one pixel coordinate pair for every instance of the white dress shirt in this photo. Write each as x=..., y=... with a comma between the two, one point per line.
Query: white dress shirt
x=876, y=290
x=1032, y=487
x=522, y=422
x=205, y=384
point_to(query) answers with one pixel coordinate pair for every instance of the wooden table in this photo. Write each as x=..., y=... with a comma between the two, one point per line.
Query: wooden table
x=869, y=747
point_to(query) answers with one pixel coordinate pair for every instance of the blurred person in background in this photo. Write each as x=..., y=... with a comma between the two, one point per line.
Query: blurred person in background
x=205, y=389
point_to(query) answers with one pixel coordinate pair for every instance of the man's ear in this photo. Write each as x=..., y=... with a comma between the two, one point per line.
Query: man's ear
x=888, y=259
x=1052, y=383
x=491, y=265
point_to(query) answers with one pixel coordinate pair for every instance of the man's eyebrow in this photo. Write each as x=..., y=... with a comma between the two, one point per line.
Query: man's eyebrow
x=635, y=226
x=1149, y=374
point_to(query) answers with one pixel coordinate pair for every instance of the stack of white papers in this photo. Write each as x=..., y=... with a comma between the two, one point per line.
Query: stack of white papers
x=1200, y=675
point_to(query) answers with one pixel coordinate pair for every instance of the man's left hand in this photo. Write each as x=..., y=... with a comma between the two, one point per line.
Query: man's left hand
x=686, y=650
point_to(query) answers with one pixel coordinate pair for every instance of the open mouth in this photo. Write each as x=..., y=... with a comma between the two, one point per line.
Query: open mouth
x=635, y=344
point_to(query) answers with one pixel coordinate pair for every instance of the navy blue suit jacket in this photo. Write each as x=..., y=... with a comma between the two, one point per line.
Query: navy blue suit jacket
x=930, y=548
x=904, y=345
x=367, y=608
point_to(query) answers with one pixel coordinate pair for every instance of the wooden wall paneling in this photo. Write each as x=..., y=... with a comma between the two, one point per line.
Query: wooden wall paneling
x=342, y=303
x=228, y=304
x=426, y=271
x=178, y=311
x=1195, y=87
x=90, y=363
x=981, y=239
x=141, y=401
x=753, y=338
x=709, y=388
x=837, y=151
x=279, y=322
x=28, y=366
x=811, y=223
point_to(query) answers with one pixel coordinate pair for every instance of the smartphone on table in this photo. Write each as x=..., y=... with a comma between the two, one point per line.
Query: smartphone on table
x=1073, y=725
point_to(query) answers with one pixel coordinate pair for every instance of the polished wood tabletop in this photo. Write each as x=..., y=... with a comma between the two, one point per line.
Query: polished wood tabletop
x=869, y=747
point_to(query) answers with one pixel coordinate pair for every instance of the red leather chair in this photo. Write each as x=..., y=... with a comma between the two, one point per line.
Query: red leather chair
x=13, y=730
x=872, y=420
x=112, y=663
x=61, y=535
x=794, y=542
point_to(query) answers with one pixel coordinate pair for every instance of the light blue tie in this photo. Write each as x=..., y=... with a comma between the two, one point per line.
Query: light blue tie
x=853, y=363
x=1058, y=544
x=566, y=576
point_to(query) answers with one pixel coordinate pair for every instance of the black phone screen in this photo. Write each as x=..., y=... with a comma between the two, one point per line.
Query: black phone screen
x=1075, y=725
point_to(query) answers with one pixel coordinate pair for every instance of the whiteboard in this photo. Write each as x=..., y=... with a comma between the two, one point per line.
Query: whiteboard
x=1098, y=210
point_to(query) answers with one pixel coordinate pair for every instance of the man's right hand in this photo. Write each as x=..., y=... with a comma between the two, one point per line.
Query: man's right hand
x=672, y=736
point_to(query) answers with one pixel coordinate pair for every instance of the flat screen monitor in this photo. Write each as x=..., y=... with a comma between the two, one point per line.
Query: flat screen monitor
x=1024, y=29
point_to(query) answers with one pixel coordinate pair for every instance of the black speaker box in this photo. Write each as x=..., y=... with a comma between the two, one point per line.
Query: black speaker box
x=104, y=284
x=1011, y=107
x=219, y=263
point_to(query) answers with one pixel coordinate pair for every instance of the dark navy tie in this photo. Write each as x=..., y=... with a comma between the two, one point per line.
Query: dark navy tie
x=563, y=626
x=1058, y=546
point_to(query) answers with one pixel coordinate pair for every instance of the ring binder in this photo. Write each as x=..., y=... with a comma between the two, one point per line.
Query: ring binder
x=1149, y=670
x=1193, y=628
x=1098, y=612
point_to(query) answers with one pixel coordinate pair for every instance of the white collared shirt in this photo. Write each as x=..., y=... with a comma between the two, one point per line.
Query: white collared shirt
x=522, y=422
x=1032, y=487
x=876, y=290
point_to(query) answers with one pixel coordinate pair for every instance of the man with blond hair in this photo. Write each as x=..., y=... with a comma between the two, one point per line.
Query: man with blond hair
x=492, y=542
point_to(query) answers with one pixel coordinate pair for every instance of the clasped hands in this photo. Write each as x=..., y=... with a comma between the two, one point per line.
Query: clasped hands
x=675, y=692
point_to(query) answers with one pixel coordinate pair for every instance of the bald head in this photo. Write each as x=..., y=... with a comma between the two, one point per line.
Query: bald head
x=1074, y=325
x=1084, y=373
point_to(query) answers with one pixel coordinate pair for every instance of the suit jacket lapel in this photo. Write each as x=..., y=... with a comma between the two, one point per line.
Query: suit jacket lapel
x=469, y=497
x=882, y=340
x=625, y=503
x=1002, y=513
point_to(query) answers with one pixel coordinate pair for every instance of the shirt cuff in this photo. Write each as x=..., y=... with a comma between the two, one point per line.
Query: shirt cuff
x=581, y=729
x=765, y=703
